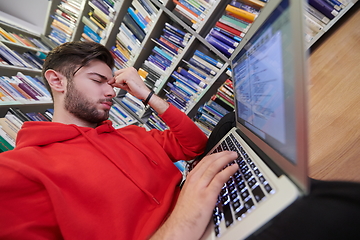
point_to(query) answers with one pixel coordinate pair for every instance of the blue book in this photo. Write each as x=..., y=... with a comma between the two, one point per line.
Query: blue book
x=158, y=61
x=147, y=6
x=192, y=85
x=102, y=6
x=222, y=47
x=181, y=94
x=118, y=53
x=136, y=18
x=183, y=72
x=192, y=8
x=324, y=8
x=223, y=38
x=134, y=27
x=177, y=31
x=164, y=53
x=10, y=57
x=93, y=35
x=209, y=59
x=201, y=66
x=162, y=59
x=174, y=38
x=230, y=35
x=179, y=85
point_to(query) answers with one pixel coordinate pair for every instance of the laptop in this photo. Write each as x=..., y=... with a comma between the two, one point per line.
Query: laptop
x=270, y=88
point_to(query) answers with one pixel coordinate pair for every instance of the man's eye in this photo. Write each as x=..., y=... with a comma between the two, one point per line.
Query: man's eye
x=98, y=81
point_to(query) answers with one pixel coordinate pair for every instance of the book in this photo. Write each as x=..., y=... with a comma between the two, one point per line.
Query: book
x=324, y=8
x=147, y=16
x=189, y=76
x=222, y=47
x=185, y=19
x=100, y=14
x=87, y=21
x=242, y=14
x=138, y=21
x=234, y=23
x=7, y=36
x=313, y=11
x=223, y=38
x=133, y=27
x=229, y=29
x=9, y=127
x=255, y=3
x=6, y=143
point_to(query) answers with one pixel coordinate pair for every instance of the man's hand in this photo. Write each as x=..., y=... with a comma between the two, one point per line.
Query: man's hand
x=198, y=197
x=129, y=80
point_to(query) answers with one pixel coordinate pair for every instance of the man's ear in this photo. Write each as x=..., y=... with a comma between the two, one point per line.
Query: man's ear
x=56, y=80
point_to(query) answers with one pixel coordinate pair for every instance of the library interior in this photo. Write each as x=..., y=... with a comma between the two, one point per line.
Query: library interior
x=182, y=51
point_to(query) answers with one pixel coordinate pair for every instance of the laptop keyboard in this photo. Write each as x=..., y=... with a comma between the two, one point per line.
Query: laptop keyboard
x=242, y=192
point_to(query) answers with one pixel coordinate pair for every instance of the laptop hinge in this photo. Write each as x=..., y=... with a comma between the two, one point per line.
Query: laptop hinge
x=268, y=161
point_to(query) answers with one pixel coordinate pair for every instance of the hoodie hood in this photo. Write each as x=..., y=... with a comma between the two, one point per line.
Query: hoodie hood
x=44, y=133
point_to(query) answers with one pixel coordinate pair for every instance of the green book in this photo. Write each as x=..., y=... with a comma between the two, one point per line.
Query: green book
x=4, y=145
x=234, y=21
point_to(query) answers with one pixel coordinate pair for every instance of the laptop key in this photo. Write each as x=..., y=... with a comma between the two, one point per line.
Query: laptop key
x=239, y=214
x=258, y=193
x=249, y=204
x=227, y=215
x=268, y=188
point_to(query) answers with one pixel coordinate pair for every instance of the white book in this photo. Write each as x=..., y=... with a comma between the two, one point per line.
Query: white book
x=7, y=137
x=15, y=120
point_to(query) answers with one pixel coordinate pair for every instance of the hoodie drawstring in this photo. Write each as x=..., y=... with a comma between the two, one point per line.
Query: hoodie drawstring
x=152, y=197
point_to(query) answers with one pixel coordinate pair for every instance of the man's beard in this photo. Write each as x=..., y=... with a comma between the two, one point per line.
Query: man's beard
x=77, y=104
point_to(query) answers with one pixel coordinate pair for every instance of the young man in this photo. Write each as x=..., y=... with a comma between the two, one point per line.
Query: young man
x=78, y=178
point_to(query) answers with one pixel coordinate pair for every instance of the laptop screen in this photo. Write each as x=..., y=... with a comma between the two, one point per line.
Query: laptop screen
x=263, y=75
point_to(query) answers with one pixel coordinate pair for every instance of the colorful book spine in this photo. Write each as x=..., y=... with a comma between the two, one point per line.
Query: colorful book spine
x=324, y=8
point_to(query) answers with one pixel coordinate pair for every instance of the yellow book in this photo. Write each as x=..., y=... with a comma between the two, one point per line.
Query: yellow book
x=7, y=35
x=99, y=13
x=237, y=12
x=123, y=50
x=95, y=21
x=255, y=3
x=142, y=73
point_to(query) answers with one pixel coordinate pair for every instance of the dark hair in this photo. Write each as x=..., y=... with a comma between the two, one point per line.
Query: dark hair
x=69, y=57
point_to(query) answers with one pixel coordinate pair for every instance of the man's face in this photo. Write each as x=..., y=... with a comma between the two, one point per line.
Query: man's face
x=89, y=96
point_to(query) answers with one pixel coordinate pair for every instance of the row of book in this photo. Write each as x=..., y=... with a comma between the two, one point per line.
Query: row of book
x=27, y=59
x=318, y=13
x=233, y=25
x=136, y=24
x=12, y=122
x=156, y=68
x=166, y=52
x=23, y=40
x=219, y=105
x=23, y=89
x=100, y=19
x=65, y=21
x=189, y=81
x=155, y=122
x=120, y=117
x=193, y=12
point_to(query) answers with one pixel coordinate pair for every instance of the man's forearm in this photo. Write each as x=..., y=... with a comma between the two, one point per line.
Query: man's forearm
x=158, y=104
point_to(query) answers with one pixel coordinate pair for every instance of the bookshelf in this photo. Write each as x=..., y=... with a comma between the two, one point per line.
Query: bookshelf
x=8, y=70
x=161, y=13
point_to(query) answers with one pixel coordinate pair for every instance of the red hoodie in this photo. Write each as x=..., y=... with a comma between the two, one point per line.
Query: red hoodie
x=65, y=181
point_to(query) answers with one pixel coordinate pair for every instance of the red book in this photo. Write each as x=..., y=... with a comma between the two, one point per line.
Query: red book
x=229, y=29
